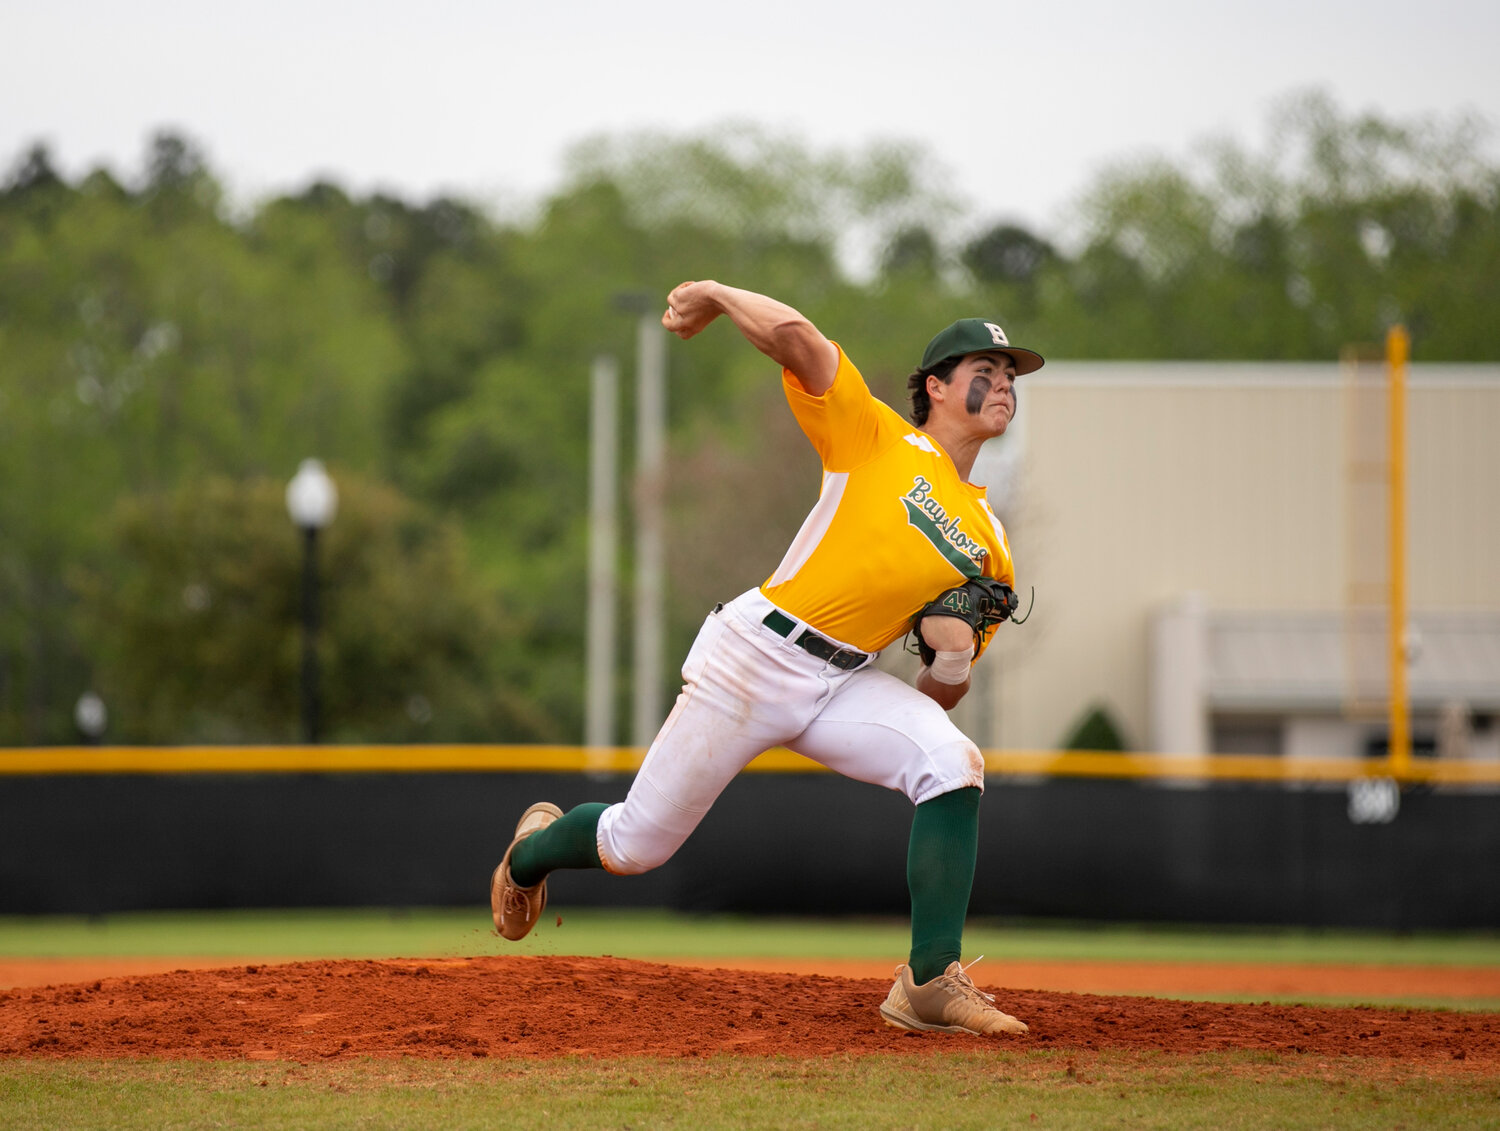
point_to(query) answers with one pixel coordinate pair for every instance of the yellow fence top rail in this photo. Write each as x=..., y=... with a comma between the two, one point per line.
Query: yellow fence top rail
x=66, y=760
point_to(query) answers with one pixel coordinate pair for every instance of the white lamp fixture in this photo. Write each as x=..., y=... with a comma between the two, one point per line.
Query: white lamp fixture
x=312, y=499
x=91, y=716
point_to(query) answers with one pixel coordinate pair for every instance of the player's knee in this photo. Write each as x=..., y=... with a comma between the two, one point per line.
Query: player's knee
x=956, y=765
x=623, y=861
x=973, y=763
x=628, y=848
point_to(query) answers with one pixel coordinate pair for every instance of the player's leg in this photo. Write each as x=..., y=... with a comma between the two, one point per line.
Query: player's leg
x=738, y=699
x=744, y=692
x=879, y=729
x=940, y=860
x=934, y=991
x=570, y=841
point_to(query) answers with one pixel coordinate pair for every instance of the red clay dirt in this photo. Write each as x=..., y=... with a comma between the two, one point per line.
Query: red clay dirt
x=1364, y=983
x=605, y=1007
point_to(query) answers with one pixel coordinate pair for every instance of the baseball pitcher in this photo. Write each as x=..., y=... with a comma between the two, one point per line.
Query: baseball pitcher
x=899, y=541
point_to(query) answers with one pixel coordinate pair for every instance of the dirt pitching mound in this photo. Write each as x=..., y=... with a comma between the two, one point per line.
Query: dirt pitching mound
x=605, y=1007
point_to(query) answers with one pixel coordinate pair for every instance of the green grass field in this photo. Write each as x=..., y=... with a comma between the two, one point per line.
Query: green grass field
x=1030, y=1087
x=438, y=933
x=1045, y=1090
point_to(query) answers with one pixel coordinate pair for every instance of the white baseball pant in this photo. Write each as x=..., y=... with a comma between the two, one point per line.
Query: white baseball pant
x=747, y=689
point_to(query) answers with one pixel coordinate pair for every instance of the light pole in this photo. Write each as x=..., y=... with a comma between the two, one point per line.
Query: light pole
x=312, y=500
x=650, y=516
x=599, y=697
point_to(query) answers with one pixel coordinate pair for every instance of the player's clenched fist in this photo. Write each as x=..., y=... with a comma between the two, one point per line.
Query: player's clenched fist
x=690, y=307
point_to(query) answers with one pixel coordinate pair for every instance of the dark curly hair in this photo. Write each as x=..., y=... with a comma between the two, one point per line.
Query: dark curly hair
x=916, y=388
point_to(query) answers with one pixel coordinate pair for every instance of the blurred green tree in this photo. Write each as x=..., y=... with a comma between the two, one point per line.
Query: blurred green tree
x=1007, y=253
x=195, y=628
x=1342, y=227
x=144, y=341
x=149, y=340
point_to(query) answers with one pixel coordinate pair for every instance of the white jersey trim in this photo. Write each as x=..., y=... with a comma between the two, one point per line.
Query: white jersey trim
x=999, y=527
x=814, y=526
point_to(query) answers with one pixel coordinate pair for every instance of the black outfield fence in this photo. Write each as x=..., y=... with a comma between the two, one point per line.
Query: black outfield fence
x=1143, y=849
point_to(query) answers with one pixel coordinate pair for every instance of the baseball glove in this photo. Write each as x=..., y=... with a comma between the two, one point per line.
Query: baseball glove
x=982, y=603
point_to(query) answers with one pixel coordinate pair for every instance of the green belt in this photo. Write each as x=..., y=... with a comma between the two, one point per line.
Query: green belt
x=824, y=649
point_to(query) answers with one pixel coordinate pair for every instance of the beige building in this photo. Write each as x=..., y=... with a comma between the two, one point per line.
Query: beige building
x=1193, y=532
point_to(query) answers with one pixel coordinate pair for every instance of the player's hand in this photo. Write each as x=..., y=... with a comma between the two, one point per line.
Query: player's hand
x=947, y=634
x=690, y=307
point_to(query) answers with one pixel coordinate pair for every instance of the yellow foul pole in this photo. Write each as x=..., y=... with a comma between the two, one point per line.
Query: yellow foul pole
x=1397, y=350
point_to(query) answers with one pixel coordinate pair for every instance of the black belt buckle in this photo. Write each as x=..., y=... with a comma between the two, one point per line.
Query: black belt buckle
x=824, y=650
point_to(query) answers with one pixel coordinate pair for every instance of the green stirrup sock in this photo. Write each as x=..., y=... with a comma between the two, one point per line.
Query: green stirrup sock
x=568, y=842
x=940, y=874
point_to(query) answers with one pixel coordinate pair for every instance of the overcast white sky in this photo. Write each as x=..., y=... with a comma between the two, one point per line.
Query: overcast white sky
x=1022, y=102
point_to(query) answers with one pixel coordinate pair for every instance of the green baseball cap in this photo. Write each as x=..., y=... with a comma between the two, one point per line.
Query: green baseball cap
x=978, y=335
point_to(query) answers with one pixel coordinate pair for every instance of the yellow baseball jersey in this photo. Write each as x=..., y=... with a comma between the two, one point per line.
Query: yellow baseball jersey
x=893, y=526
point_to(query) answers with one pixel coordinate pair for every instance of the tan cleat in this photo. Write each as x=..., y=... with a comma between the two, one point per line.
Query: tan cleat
x=516, y=909
x=950, y=1003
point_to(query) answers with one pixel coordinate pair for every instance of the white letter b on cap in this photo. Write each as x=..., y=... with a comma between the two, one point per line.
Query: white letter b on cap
x=997, y=334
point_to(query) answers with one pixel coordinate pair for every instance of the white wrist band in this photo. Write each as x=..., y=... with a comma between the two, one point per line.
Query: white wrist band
x=951, y=667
